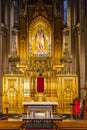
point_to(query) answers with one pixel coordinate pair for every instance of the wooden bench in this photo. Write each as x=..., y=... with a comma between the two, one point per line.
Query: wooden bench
x=70, y=125
x=11, y=125
x=4, y=118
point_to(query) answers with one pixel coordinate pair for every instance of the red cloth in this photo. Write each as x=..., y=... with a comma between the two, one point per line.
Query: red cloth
x=76, y=107
x=40, y=84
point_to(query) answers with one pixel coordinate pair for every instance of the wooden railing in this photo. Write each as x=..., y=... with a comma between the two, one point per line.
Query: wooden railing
x=70, y=125
x=11, y=125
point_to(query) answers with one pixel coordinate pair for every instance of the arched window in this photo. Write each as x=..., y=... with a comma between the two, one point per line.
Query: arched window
x=65, y=12
x=15, y=13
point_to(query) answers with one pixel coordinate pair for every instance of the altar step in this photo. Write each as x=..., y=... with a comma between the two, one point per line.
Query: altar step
x=39, y=129
x=39, y=124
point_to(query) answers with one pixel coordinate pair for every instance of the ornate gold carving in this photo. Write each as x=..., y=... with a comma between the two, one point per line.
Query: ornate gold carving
x=66, y=32
x=61, y=88
x=18, y=88
x=36, y=50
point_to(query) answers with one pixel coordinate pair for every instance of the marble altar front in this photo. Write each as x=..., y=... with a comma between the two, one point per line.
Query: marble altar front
x=40, y=106
x=38, y=112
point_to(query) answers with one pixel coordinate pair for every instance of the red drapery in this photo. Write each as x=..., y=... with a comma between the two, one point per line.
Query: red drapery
x=76, y=107
x=40, y=84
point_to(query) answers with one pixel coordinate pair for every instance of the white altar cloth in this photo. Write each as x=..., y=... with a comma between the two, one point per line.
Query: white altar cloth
x=47, y=107
x=40, y=103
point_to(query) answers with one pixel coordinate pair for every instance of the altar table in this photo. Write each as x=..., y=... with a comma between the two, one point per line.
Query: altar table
x=52, y=104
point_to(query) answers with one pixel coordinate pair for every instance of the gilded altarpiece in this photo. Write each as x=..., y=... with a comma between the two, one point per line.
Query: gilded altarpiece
x=40, y=50
x=19, y=88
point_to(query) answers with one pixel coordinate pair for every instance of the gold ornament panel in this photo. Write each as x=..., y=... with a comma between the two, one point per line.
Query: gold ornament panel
x=19, y=88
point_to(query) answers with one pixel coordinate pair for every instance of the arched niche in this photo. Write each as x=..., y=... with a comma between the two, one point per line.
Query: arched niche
x=37, y=24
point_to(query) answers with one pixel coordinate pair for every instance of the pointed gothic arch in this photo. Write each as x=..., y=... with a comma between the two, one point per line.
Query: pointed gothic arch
x=42, y=23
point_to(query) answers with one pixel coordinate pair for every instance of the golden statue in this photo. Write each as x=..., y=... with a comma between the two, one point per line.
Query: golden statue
x=40, y=42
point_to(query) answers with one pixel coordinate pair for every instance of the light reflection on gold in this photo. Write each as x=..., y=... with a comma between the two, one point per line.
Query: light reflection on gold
x=62, y=89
